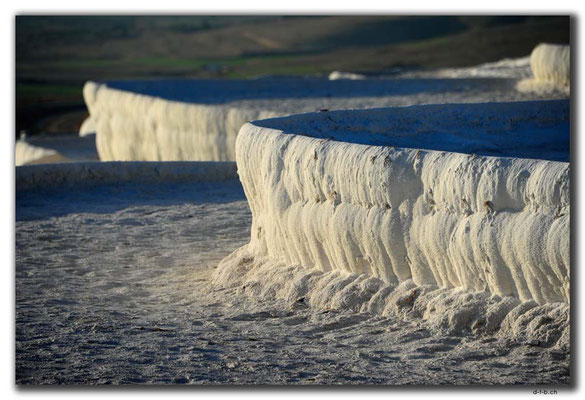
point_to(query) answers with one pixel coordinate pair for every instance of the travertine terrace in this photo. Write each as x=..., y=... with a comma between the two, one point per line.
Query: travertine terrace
x=468, y=196
x=198, y=120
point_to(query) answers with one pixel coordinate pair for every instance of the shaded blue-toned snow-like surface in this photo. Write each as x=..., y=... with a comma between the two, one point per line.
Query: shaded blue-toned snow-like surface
x=528, y=129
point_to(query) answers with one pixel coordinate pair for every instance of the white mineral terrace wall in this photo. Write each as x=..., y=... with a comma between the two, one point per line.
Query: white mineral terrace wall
x=551, y=63
x=435, y=208
x=137, y=127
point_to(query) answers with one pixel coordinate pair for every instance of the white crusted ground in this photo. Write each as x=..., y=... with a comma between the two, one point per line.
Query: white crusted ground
x=113, y=286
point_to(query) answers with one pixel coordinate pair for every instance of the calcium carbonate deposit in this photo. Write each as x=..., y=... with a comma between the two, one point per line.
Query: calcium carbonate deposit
x=344, y=75
x=446, y=210
x=551, y=70
x=543, y=74
x=26, y=154
x=87, y=127
x=508, y=68
x=198, y=120
x=552, y=63
x=46, y=149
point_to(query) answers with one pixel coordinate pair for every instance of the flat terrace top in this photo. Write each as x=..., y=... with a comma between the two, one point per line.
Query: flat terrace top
x=295, y=95
x=532, y=129
x=216, y=91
